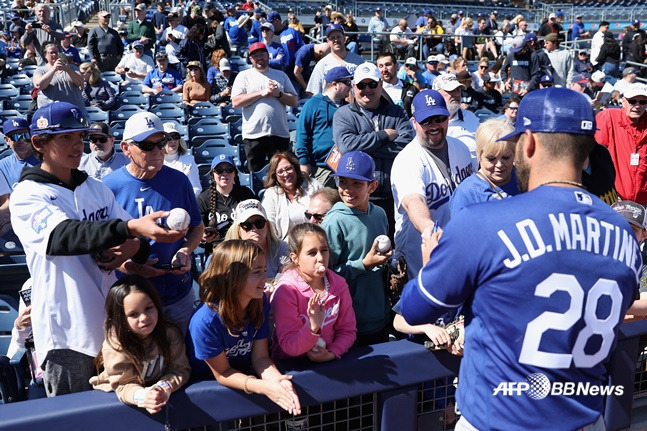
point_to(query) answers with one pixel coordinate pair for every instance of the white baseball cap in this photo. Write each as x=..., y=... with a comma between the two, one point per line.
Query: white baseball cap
x=249, y=208
x=224, y=64
x=635, y=89
x=366, y=70
x=170, y=128
x=598, y=76
x=447, y=82
x=141, y=125
x=440, y=58
x=411, y=61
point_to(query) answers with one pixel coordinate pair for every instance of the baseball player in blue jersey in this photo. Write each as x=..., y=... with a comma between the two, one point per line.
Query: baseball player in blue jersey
x=545, y=279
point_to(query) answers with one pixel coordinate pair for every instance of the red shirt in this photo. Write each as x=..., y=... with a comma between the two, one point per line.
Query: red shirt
x=623, y=138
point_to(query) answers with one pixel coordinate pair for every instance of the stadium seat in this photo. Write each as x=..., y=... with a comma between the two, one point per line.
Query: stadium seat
x=132, y=86
x=20, y=103
x=124, y=112
x=12, y=382
x=258, y=179
x=96, y=114
x=206, y=152
x=165, y=97
x=130, y=99
x=205, y=178
x=29, y=70
x=484, y=114
x=169, y=111
x=8, y=91
x=9, y=113
x=112, y=76
x=204, y=109
x=22, y=82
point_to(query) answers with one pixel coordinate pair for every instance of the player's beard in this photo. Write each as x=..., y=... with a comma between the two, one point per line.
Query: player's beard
x=453, y=108
x=99, y=154
x=522, y=170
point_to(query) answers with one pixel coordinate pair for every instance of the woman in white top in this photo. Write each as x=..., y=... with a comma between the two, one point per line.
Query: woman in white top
x=287, y=193
x=178, y=157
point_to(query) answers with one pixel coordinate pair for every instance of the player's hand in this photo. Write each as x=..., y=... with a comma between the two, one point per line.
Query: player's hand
x=155, y=399
x=316, y=312
x=182, y=260
x=146, y=270
x=373, y=258
x=438, y=335
x=430, y=240
x=119, y=254
x=280, y=390
x=320, y=354
x=23, y=321
x=148, y=227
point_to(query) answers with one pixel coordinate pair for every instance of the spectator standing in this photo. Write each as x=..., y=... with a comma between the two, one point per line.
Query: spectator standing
x=305, y=60
x=624, y=133
x=378, y=24
x=464, y=38
x=263, y=93
x=80, y=35
x=397, y=90
x=378, y=128
x=424, y=176
x=560, y=59
x=104, y=44
x=103, y=159
x=597, y=40
x=96, y=91
x=142, y=30
x=339, y=56
x=578, y=32
x=171, y=38
x=160, y=19
x=634, y=29
x=404, y=40
x=218, y=40
x=238, y=38
x=289, y=38
x=162, y=78
x=314, y=138
x=191, y=49
x=550, y=26
x=71, y=52
x=42, y=31
x=525, y=69
x=135, y=65
x=278, y=59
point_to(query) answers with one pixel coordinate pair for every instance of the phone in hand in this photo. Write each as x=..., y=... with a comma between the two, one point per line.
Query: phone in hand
x=63, y=57
x=36, y=25
x=168, y=267
x=25, y=294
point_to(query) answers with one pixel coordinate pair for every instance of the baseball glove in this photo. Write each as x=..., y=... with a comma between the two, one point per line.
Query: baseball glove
x=396, y=277
x=456, y=331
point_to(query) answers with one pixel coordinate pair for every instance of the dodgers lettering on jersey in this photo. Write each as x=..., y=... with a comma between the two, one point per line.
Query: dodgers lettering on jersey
x=522, y=63
x=438, y=194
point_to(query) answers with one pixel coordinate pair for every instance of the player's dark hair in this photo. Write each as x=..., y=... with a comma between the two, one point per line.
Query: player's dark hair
x=118, y=330
x=213, y=197
x=298, y=234
x=224, y=279
x=566, y=146
x=41, y=141
x=513, y=99
x=387, y=54
x=271, y=179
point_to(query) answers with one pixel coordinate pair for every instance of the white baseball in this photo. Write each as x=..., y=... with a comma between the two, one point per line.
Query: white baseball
x=383, y=244
x=178, y=219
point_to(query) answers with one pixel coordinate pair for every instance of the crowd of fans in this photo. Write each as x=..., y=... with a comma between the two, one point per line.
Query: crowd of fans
x=382, y=147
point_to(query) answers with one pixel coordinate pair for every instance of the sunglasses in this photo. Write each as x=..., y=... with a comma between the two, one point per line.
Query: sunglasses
x=483, y=67
x=101, y=139
x=221, y=171
x=438, y=119
x=174, y=136
x=637, y=102
x=363, y=85
x=258, y=224
x=317, y=217
x=346, y=82
x=18, y=136
x=513, y=108
x=546, y=85
x=193, y=68
x=150, y=146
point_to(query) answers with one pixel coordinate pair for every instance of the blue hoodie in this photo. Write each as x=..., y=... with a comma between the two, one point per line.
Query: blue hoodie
x=314, y=130
x=351, y=233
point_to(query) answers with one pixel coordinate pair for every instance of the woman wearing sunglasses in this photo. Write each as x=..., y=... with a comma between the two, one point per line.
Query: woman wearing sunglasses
x=287, y=193
x=218, y=203
x=176, y=156
x=251, y=223
x=196, y=88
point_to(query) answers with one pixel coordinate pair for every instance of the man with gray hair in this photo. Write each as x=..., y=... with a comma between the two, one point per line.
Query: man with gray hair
x=42, y=31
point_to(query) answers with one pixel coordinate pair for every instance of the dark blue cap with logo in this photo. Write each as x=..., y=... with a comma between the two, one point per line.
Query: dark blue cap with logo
x=273, y=16
x=356, y=165
x=554, y=110
x=546, y=78
x=334, y=27
x=428, y=103
x=222, y=158
x=13, y=124
x=337, y=73
x=58, y=117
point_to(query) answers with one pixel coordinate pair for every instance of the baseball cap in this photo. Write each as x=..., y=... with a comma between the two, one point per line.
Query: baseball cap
x=411, y=61
x=429, y=12
x=579, y=15
x=100, y=128
x=334, y=27
x=138, y=44
x=551, y=16
x=194, y=63
x=242, y=19
x=273, y=16
x=258, y=10
x=635, y=89
x=552, y=37
x=554, y=110
x=441, y=58
x=356, y=165
x=104, y=13
x=224, y=64
x=530, y=37
x=628, y=71
x=197, y=10
x=454, y=16
x=141, y=125
x=598, y=76
x=428, y=103
x=447, y=82
x=495, y=12
x=267, y=25
x=635, y=21
x=257, y=46
x=328, y=6
x=58, y=117
x=432, y=59
x=161, y=56
x=632, y=212
x=580, y=78
x=249, y=208
x=13, y=124
x=491, y=77
x=378, y=9
x=140, y=6
x=546, y=78
x=77, y=24
x=517, y=44
x=460, y=12
x=170, y=128
x=366, y=70
x=222, y=158
x=337, y=73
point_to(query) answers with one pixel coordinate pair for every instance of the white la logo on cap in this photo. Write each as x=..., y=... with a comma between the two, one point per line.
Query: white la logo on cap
x=15, y=123
x=430, y=100
x=350, y=165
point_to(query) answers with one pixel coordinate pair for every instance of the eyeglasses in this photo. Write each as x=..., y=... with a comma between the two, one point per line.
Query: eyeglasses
x=636, y=102
x=150, y=146
x=438, y=119
x=346, y=82
x=363, y=85
x=317, y=217
x=101, y=139
x=513, y=108
x=52, y=53
x=286, y=170
x=174, y=136
x=258, y=224
x=221, y=171
x=18, y=136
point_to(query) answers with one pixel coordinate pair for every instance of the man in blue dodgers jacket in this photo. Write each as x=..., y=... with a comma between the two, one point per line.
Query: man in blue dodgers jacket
x=545, y=279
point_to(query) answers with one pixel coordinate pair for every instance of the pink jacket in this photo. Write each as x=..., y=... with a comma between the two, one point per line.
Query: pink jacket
x=292, y=336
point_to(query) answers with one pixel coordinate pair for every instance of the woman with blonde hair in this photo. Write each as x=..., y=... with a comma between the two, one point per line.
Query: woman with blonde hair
x=465, y=38
x=196, y=88
x=295, y=23
x=496, y=177
x=96, y=91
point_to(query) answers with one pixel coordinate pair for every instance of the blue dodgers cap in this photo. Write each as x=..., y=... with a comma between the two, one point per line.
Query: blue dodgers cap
x=554, y=110
x=357, y=165
x=337, y=73
x=334, y=27
x=13, y=124
x=428, y=103
x=258, y=10
x=635, y=22
x=273, y=16
x=58, y=117
x=546, y=78
x=222, y=158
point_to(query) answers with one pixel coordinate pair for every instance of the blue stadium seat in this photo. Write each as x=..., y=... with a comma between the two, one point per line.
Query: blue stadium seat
x=166, y=97
x=258, y=179
x=22, y=82
x=212, y=148
x=9, y=113
x=8, y=91
x=96, y=114
x=112, y=76
x=20, y=103
x=132, y=86
x=29, y=70
x=169, y=111
x=204, y=109
x=124, y=112
x=139, y=100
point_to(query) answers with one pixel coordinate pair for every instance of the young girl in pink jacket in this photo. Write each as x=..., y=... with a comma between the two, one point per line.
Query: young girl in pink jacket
x=313, y=309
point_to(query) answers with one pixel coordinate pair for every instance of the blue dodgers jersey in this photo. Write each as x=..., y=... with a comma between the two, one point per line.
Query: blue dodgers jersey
x=167, y=190
x=545, y=278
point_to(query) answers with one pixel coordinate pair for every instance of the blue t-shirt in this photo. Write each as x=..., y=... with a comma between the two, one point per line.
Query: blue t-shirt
x=291, y=41
x=208, y=337
x=71, y=51
x=474, y=190
x=305, y=58
x=11, y=167
x=169, y=79
x=545, y=279
x=212, y=72
x=168, y=189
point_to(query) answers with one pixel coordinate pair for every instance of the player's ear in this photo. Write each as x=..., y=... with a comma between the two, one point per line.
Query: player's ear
x=530, y=144
x=124, y=148
x=372, y=187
